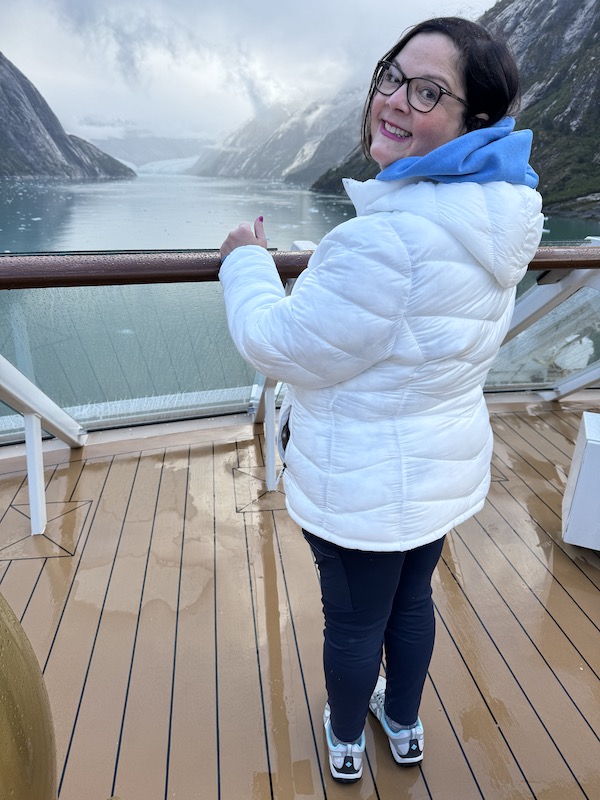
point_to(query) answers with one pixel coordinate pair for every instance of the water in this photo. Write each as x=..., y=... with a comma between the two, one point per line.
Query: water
x=569, y=229
x=156, y=212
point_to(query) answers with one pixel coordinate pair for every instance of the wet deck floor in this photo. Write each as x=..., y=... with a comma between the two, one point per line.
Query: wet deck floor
x=175, y=611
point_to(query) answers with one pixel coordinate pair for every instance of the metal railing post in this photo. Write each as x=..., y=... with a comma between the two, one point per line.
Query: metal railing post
x=35, y=473
x=20, y=393
x=270, y=438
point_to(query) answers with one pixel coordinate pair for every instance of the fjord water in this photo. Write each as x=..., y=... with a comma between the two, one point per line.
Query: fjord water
x=155, y=212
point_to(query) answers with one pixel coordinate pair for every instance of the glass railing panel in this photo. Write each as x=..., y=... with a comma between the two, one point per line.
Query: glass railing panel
x=562, y=342
x=117, y=355
x=11, y=425
x=135, y=353
x=528, y=281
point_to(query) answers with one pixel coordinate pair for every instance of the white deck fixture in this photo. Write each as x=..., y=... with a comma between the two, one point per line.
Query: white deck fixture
x=38, y=411
x=581, y=500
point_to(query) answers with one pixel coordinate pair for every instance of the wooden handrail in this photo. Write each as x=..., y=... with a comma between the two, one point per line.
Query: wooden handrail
x=45, y=270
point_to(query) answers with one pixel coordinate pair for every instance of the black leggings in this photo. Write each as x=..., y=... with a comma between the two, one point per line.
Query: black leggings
x=374, y=601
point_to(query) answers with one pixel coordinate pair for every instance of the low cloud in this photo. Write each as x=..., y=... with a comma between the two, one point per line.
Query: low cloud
x=180, y=67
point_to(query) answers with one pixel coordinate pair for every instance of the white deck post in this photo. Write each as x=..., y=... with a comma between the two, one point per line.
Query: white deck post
x=270, y=438
x=20, y=393
x=581, y=501
x=35, y=473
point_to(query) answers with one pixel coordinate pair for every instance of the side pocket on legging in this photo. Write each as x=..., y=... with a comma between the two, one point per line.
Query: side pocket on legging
x=335, y=591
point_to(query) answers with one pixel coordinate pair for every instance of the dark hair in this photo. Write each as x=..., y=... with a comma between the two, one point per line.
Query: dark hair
x=488, y=69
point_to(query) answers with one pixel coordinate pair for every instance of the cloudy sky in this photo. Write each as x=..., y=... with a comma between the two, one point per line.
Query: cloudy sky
x=187, y=67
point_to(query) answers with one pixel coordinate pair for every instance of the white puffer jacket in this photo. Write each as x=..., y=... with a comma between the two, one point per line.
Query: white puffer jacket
x=385, y=342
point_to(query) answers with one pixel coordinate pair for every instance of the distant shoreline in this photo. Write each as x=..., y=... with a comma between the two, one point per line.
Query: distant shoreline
x=587, y=207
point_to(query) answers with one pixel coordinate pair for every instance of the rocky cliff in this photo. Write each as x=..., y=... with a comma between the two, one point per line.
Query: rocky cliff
x=294, y=147
x=557, y=46
x=33, y=142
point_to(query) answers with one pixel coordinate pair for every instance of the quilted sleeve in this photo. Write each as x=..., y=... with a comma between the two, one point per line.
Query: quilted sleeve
x=340, y=319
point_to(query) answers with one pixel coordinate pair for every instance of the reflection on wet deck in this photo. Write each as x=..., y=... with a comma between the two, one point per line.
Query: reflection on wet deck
x=175, y=611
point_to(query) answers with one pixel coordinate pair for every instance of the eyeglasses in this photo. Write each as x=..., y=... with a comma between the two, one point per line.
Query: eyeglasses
x=422, y=94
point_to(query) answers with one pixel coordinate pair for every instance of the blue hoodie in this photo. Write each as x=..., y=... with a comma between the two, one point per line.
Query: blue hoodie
x=496, y=153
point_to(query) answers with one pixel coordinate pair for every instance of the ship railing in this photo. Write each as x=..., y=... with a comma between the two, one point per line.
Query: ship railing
x=554, y=285
x=38, y=411
x=560, y=271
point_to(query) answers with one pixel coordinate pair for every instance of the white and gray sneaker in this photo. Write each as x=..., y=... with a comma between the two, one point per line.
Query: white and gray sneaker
x=407, y=744
x=345, y=760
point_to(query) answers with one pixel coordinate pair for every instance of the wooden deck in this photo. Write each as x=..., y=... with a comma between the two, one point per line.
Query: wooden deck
x=175, y=611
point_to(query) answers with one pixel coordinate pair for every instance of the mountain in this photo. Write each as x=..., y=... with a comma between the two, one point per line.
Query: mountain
x=33, y=142
x=295, y=147
x=240, y=151
x=355, y=165
x=557, y=46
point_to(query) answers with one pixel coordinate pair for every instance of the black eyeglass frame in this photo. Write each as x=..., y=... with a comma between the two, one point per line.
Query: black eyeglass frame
x=386, y=65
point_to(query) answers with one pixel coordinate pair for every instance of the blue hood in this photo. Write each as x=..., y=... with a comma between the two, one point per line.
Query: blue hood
x=496, y=153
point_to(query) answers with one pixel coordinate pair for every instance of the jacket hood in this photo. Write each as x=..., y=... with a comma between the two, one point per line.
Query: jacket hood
x=495, y=153
x=499, y=223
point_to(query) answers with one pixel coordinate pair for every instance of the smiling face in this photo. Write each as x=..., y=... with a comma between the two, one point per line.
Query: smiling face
x=398, y=130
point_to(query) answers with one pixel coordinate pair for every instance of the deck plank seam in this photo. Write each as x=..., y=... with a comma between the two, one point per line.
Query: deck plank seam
x=475, y=682
x=75, y=571
x=452, y=726
x=259, y=665
x=137, y=625
x=536, y=431
x=559, y=489
x=544, y=564
x=176, y=635
x=555, y=540
x=32, y=592
x=316, y=746
x=10, y=504
x=526, y=633
x=96, y=634
x=518, y=683
x=557, y=424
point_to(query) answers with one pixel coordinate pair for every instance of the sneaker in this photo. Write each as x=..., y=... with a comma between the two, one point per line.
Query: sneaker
x=345, y=760
x=406, y=745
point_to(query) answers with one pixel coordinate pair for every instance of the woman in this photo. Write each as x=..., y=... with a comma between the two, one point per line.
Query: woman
x=385, y=343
